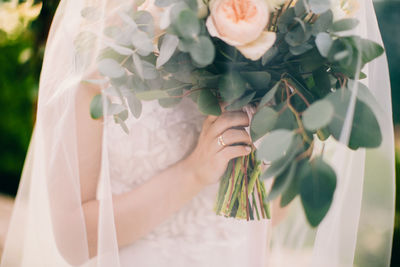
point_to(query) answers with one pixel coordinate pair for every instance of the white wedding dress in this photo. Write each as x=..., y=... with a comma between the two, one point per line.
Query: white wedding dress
x=194, y=236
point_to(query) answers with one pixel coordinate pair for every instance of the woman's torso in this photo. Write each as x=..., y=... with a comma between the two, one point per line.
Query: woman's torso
x=194, y=236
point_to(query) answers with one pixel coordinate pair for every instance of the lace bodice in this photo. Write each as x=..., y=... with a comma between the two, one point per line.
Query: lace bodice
x=158, y=139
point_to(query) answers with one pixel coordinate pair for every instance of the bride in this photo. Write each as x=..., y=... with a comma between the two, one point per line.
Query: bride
x=93, y=195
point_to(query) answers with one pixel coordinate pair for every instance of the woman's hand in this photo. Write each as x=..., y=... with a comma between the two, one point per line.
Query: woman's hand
x=209, y=160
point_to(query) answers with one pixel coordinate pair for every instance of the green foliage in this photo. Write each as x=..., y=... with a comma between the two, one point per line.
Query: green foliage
x=317, y=186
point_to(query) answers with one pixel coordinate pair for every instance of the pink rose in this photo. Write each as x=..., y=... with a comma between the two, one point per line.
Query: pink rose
x=242, y=23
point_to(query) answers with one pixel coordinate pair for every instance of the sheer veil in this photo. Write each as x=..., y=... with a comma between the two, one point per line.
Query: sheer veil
x=48, y=224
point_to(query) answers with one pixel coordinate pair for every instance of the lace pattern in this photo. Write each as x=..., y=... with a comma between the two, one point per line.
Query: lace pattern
x=158, y=139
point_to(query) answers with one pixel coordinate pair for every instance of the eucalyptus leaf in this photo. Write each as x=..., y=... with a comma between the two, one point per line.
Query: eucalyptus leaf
x=323, y=22
x=240, y=103
x=318, y=184
x=365, y=129
x=187, y=24
x=275, y=145
x=231, y=86
x=257, y=79
x=269, y=55
x=202, y=51
x=167, y=49
x=319, y=6
x=122, y=124
x=149, y=70
x=111, y=68
x=300, y=49
x=135, y=105
x=144, y=21
x=263, y=121
x=279, y=166
x=113, y=109
x=344, y=24
x=96, y=107
x=137, y=62
x=282, y=182
x=142, y=43
x=208, y=103
x=270, y=95
x=324, y=43
x=318, y=115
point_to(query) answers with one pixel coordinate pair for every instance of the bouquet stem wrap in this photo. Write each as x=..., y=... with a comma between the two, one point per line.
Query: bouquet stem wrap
x=241, y=193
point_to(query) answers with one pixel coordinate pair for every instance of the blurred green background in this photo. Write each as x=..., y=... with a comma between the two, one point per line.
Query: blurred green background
x=21, y=53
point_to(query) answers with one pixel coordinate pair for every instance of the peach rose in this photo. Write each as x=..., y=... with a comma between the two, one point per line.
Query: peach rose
x=242, y=23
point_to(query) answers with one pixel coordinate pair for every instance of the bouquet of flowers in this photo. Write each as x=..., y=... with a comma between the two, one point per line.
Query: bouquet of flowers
x=295, y=62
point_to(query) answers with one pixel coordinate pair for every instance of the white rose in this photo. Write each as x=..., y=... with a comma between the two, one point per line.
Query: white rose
x=344, y=8
x=242, y=23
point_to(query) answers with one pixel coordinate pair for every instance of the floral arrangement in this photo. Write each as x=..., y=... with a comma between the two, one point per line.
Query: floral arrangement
x=295, y=62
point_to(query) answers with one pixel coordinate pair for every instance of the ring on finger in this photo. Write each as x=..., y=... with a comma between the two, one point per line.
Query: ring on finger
x=221, y=141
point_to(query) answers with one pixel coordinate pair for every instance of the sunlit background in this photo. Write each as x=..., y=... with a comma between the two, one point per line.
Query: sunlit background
x=23, y=31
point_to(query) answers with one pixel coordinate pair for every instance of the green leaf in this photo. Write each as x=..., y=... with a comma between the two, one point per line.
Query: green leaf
x=365, y=130
x=142, y=43
x=322, y=82
x=298, y=35
x=137, y=62
x=370, y=50
x=208, y=103
x=121, y=123
x=300, y=49
x=241, y=102
x=324, y=43
x=113, y=109
x=263, y=121
x=323, y=22
x=135, y=105
x=279, y=166
x=187, y=24
x=257, y=79
x=111, y=68
x=270, y=95
x=149, y=70
x=144, y=21
x=318, y=184
x=231, y=86
x=344, y=24
x=202, y=51
x=318, y=115
x=269, y=55
x=96, y=107
x=282, y=182
x=275, y=145
x=167, y=49
x=319, y=6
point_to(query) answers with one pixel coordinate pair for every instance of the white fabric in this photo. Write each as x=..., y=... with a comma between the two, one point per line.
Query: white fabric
x=48, y=227
x=194, y=236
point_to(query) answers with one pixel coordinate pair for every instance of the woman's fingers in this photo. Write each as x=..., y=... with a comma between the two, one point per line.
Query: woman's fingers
x=231, y=152
x=228, y=120
x=234, y=136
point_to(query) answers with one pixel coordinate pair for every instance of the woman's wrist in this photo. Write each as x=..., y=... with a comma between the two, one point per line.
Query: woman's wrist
x=189, y=169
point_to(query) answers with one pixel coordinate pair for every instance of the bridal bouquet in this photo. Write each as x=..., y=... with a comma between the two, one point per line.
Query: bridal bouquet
x=294, y=62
